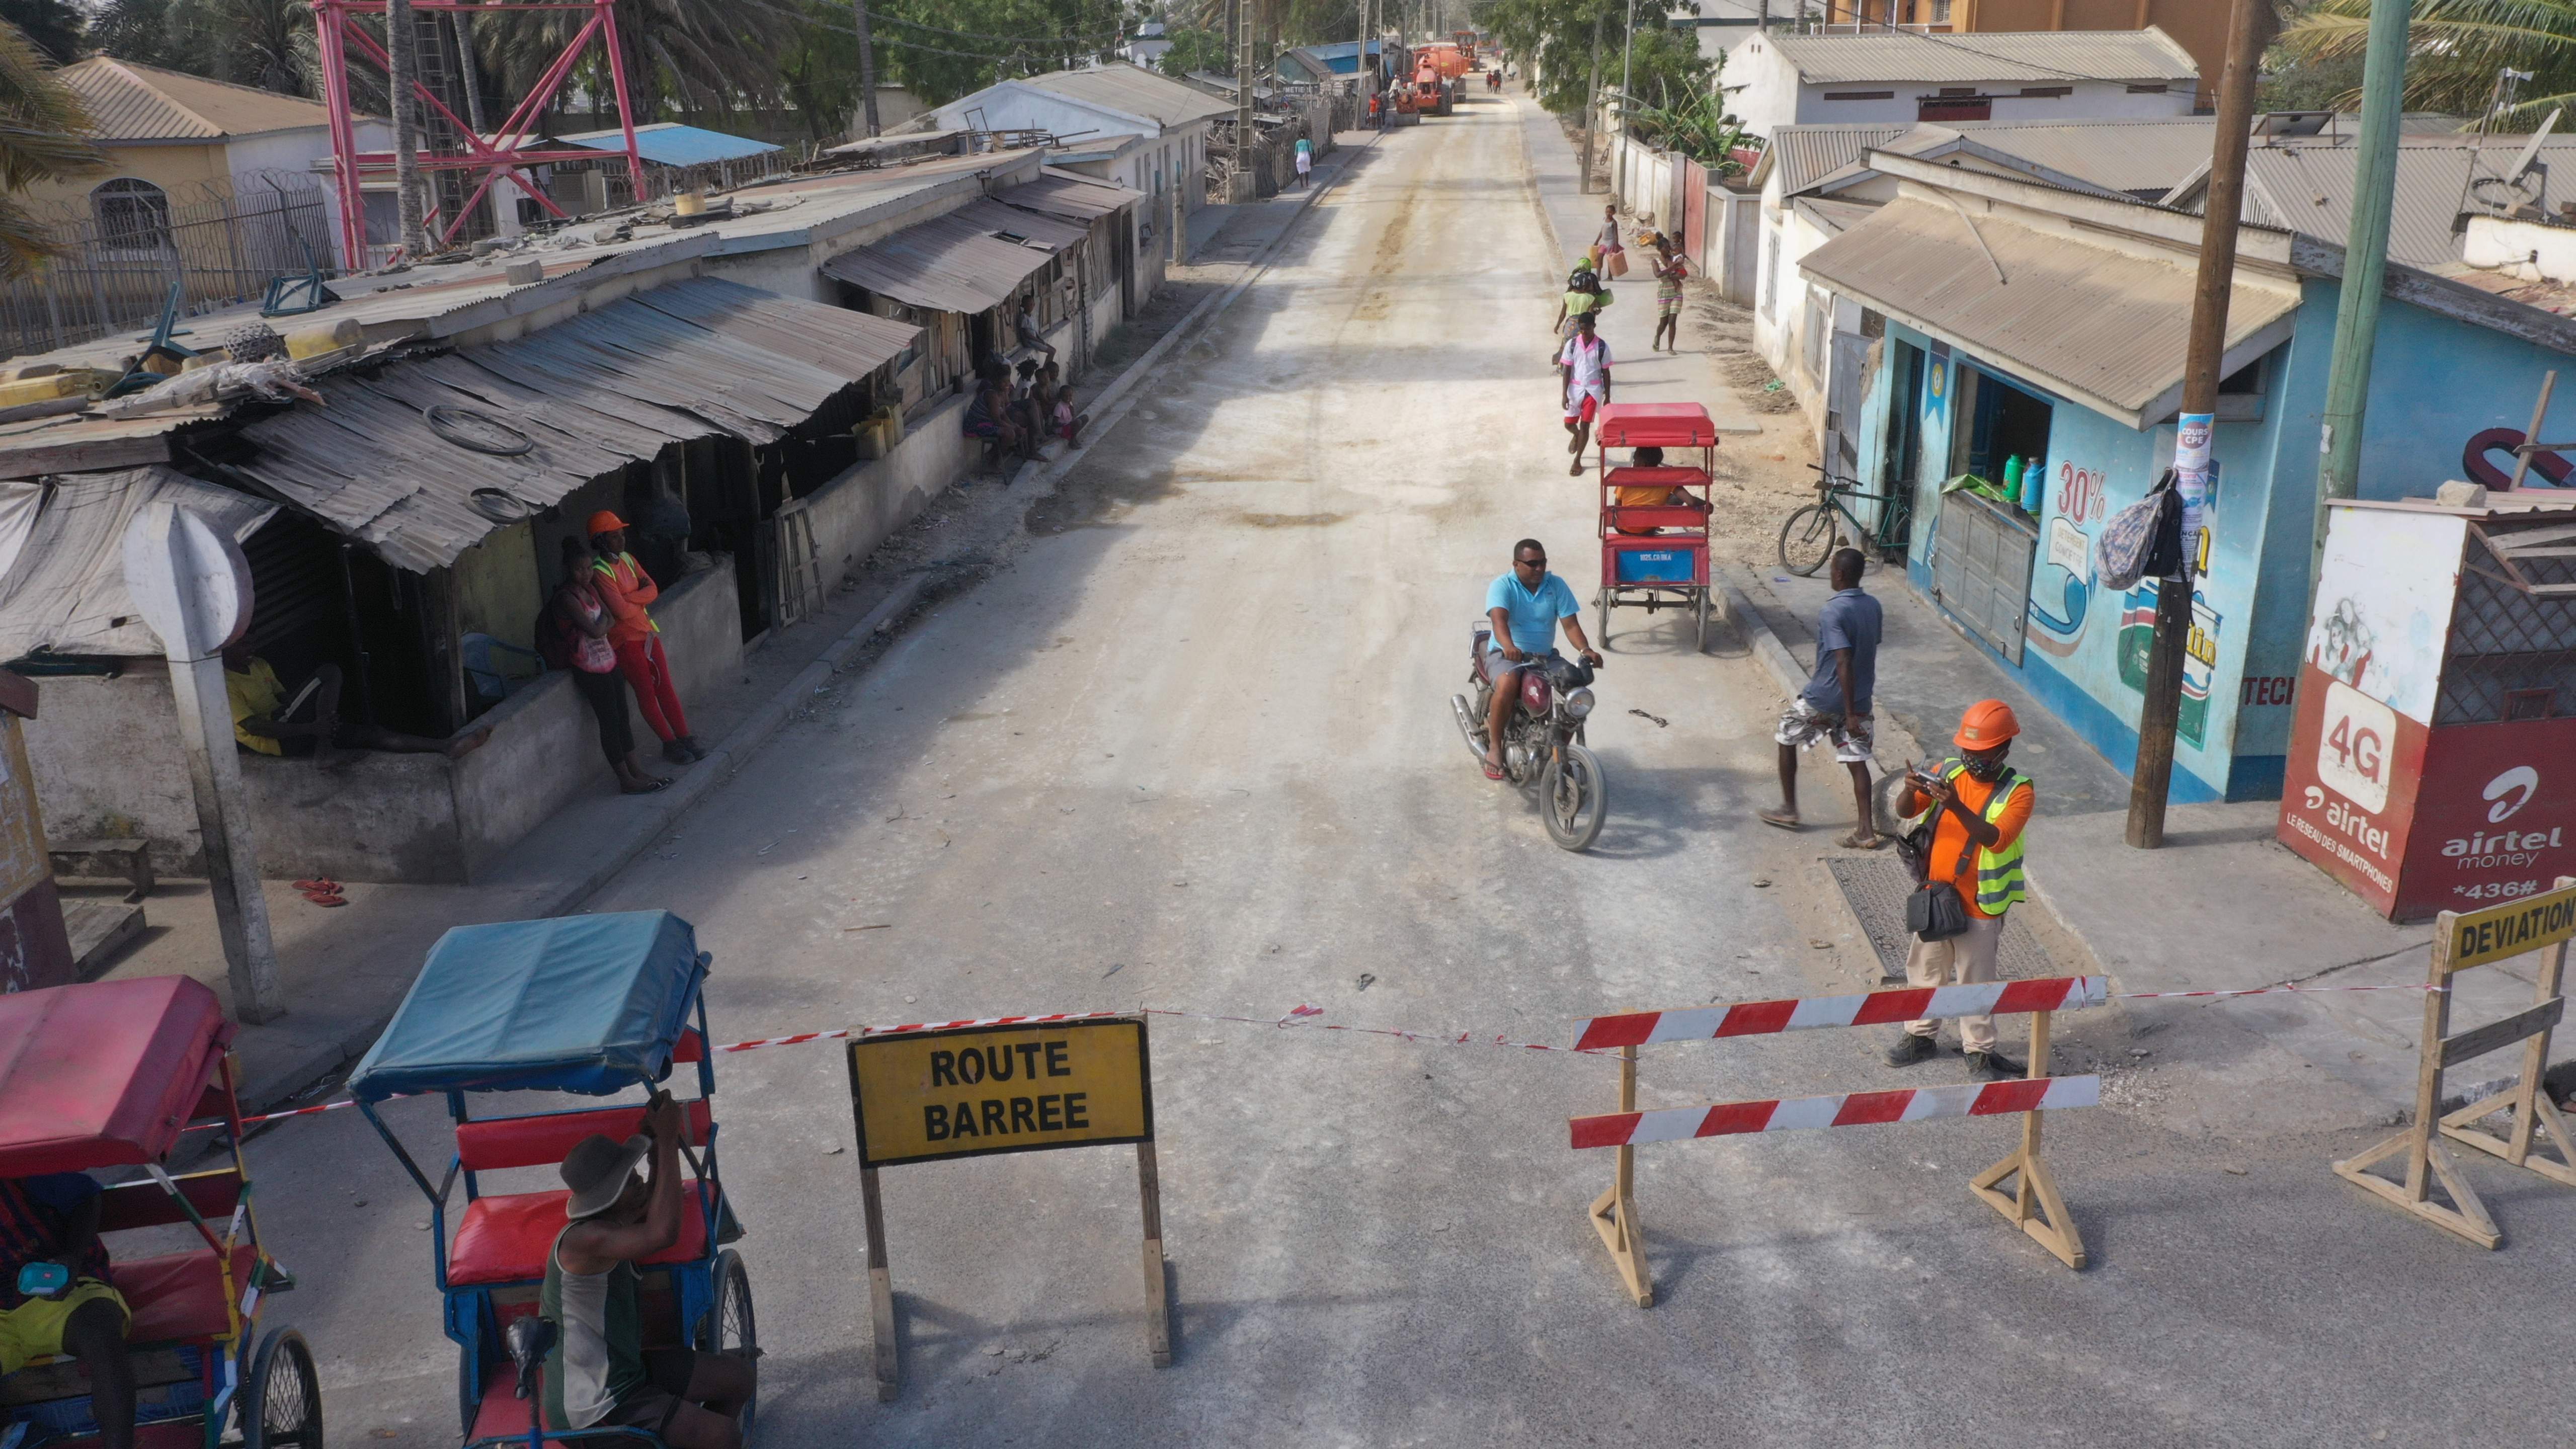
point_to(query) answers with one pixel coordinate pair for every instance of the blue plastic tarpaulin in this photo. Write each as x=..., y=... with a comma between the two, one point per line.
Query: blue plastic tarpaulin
x=668, y=143
x=589, y=1004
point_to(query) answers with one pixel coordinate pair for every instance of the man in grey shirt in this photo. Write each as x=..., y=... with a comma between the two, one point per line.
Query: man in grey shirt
x=1835, y=704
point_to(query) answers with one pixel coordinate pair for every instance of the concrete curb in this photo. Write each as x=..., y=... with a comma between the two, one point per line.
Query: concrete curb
x=1775, y=656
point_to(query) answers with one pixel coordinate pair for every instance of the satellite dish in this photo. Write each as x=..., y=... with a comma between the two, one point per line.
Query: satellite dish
x=189, y=580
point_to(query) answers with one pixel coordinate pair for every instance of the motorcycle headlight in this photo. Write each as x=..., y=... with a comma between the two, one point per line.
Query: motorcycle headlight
x=1579, y=703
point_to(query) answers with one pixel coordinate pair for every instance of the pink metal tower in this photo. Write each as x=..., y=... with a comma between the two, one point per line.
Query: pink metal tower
x=456, y=147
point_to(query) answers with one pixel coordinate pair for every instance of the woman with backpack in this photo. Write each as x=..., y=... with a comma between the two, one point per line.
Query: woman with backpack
x=572, y=635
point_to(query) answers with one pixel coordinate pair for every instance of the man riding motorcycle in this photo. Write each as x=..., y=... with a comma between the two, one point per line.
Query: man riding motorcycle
x=1524, y=607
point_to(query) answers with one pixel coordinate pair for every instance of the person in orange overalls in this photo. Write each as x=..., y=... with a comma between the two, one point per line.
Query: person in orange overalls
x=626, y=589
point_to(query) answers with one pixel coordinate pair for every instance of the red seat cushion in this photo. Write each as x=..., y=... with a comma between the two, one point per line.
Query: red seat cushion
x=179, y=1296
x=502, y=1414
x=505, y=1239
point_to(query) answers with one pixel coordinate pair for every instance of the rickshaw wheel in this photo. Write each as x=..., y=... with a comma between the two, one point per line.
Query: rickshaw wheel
x=281, y=1400
x=729, y=1326
x=1699, y=641
x=1603, y=602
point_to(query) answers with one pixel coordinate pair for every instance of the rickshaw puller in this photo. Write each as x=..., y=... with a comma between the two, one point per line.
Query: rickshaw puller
x=599, y=1374
x=54, y=1219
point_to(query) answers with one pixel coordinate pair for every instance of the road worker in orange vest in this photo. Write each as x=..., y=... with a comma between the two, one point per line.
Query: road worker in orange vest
x=1980, y=805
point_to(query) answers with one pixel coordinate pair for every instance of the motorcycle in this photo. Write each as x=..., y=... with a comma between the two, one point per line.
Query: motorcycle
x=1543, y=743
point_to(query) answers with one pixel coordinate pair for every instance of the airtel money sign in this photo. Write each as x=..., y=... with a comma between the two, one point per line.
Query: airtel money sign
x=2495, y=816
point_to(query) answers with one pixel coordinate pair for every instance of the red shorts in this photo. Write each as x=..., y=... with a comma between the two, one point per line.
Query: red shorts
x=1581, y=403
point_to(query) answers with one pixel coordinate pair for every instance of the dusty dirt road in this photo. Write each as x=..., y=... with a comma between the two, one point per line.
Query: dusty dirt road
x=1188, y=746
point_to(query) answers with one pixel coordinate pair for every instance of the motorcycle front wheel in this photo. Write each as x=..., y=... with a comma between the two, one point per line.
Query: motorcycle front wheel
x=1573, y=798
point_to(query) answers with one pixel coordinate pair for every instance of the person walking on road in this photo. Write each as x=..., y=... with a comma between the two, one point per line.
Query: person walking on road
x=628, y=591
x=1583, y=371
x=1670, y=268
x=1835, y=704
x=1305, y=161
x=1609, y=258
x=1980, y=805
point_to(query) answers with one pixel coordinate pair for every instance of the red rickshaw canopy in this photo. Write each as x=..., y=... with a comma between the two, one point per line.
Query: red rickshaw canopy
x=103, y=1073
x=1655, y=425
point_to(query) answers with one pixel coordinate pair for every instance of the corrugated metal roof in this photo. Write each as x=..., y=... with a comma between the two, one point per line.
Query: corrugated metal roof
x=1128, y=89
x=1834, y=216
x=1803, y=155
x=592, y=393
x=1923, y=264
x=66, y=592
x=669, y=143
x=955, y=263
x=1069, y=196
x=131, y=102
x=1898, y=56
x=2309, y=188
x=2118, y=155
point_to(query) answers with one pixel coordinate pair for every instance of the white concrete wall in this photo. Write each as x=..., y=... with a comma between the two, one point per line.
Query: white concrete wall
x=1773, y=95
x=1780, y=332
x=107, y=761
x=2530, y=250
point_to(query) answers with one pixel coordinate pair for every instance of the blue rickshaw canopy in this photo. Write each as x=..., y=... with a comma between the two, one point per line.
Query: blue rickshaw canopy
x=590, y=1004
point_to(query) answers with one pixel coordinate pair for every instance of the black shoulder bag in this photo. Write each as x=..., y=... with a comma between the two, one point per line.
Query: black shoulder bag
x=1935, y=912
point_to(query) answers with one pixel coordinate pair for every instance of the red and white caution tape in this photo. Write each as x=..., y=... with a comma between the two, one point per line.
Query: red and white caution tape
x=2273, y=991
x=1302, y=1015
x=1874, y=1008
x=1851, y=1109
x=916, y=1026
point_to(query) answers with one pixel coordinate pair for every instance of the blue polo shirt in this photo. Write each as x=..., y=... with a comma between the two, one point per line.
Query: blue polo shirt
x=1850, y=620
x=1533, y=612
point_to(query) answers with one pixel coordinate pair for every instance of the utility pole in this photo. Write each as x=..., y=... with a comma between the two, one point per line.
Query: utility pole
x=1627, y=59
x=1591, y=109
x=2365, y=265
x=402, y=40
x=2152, y=777
x=867, y=66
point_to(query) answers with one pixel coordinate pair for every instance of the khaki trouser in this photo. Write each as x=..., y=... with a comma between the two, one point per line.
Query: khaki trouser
x=1963, y=960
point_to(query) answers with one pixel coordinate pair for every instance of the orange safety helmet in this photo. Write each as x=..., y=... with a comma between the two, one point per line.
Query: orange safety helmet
x=604, y=522
x=1988, y=723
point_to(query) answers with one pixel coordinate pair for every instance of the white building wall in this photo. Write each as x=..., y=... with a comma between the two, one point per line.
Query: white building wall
x=1765, y=91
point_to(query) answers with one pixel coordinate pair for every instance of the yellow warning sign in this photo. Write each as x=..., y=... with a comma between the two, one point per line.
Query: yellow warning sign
x=2511, y=929
x=973, y=1090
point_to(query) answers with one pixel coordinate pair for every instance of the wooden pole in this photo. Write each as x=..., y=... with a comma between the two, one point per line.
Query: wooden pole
x=2152, y=777
x=1158, y=1302
x=1591, y=110
x=1614, y=1213
x=2531, y=435
x=880, y=1289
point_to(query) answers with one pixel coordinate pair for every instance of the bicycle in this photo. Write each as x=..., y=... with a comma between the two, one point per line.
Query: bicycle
x=1813, y=532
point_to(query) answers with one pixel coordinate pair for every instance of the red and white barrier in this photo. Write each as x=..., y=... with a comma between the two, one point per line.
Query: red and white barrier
x=1874, y=1008
x=1851, y=1109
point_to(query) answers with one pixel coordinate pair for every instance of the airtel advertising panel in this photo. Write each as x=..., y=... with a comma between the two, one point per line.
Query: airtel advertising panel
x=2354, y=771
x=2495, y=816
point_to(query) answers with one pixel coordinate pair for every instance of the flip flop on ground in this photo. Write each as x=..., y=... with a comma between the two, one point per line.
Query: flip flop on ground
x=1785, y=819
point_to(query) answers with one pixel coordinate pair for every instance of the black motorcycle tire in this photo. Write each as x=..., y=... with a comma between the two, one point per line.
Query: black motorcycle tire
x=1573, y=798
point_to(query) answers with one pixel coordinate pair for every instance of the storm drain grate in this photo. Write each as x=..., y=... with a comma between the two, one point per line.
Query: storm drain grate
x=1876, y=886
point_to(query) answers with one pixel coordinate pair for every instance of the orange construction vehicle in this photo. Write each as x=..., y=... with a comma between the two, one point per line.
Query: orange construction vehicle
x=1432, y=94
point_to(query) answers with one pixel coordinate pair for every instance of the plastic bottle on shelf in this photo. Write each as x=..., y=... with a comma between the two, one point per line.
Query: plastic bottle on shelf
x=2034, y=482
x=2012, y=478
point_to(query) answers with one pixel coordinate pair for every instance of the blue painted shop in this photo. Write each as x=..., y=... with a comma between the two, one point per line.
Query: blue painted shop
x=2025, y=350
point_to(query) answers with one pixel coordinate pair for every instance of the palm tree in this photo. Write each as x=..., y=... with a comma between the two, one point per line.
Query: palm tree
x=2456, y=48
x=41, y=125
x=697, y=55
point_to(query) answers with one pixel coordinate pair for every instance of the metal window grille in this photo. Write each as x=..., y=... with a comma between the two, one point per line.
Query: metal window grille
x=2513, y=640
x=120, y=251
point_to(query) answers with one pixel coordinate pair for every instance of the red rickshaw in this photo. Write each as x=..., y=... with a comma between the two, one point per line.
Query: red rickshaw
x=114, y=1074
x=1654, y=521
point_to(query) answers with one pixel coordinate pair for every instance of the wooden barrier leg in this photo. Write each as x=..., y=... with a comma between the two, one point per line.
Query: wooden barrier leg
x=1158, y=1303
x=2034, y=1206
x=880, y=1288
x=2426, y=1158
x=1614, y=1213
x=2534, y=1115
